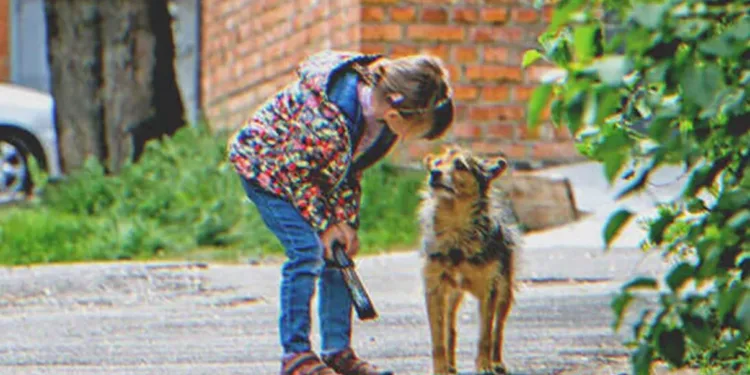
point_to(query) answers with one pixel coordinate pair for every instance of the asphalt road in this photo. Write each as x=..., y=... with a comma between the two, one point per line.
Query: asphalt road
x=221, y=319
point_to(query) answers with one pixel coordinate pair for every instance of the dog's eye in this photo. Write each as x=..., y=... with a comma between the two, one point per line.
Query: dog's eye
x=460, y=165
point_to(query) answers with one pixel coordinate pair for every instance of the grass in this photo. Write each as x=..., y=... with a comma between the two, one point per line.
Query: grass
x=182, y=200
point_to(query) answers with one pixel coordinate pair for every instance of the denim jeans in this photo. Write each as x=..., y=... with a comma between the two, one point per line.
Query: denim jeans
x=304, y=266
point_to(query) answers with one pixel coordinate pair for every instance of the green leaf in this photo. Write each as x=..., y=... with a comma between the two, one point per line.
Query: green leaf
x=531, y=56
x=613, y=164
x=649, y=16
x=538, y=103
x=562, y=14
x=679, y=275
x=641, y=282
x=728, y=301
x=671, y=345
x=636, y=185
x=742, y=313
x=642, y=360
x=656, y=229
x=556, y=112
x=619, y=305
x=739, y=220
x=697, y=329
x=701, y=84
x=609, y=103
x=615, y=224
x=612, y=69
x=584, y=40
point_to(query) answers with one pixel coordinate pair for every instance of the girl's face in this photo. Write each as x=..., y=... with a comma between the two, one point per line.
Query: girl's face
x=406, y=129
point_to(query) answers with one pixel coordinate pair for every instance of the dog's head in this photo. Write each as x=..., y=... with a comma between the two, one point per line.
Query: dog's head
x=456, y=173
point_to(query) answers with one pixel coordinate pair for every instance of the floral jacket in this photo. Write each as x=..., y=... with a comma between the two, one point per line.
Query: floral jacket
x=297, y=145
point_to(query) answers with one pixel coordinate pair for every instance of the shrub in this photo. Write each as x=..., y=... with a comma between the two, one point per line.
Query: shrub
x=181, y=199
x=671, y=87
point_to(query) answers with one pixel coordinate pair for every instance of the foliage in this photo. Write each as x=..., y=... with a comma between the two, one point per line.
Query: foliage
x=669, y=88
x=182, y=199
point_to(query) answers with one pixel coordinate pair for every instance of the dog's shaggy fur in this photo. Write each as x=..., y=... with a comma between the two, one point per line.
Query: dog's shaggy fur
x=468, y=241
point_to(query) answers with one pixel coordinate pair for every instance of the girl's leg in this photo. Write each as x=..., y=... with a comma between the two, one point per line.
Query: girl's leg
x=303, y=266
x=335, y=311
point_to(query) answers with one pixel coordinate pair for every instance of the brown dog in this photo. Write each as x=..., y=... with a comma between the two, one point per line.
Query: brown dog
x=469, y=243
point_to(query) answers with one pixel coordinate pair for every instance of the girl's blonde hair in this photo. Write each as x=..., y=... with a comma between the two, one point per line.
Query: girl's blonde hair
x=417, y=86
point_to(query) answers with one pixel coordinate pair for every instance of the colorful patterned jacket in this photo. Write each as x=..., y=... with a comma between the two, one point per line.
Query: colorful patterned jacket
x=297, y=145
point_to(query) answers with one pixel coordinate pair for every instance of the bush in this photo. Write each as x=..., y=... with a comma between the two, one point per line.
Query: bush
x=182, y=199
x=671, y=87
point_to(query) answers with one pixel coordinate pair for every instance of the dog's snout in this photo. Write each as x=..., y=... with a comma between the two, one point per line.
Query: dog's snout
x=435, y=175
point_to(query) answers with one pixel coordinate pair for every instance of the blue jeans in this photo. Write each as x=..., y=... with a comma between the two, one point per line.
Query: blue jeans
x=305, y=265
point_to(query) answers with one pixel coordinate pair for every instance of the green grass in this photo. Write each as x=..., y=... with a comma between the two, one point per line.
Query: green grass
x=182, y=200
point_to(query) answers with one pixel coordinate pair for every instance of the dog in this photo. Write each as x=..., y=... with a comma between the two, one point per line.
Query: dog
x=468, y=244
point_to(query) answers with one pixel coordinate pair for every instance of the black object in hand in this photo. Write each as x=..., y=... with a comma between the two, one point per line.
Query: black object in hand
x=362, y=302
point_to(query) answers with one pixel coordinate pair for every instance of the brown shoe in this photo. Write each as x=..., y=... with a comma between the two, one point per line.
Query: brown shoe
x=307, y=363
x=347, y=363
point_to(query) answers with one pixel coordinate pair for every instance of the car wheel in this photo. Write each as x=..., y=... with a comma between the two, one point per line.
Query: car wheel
x=15, y=178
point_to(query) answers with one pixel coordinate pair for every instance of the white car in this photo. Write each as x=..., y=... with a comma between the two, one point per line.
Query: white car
x=27, y=130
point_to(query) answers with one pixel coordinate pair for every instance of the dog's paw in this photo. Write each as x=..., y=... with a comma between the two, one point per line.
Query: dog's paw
x=500, y=370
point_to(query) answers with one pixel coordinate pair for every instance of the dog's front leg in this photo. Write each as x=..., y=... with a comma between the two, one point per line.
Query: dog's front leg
x=455, y=297
x=487, y=308
x=436, y=299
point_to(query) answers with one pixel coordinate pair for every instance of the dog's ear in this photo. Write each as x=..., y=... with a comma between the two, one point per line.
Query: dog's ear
x=427, y=161
x=495, y=167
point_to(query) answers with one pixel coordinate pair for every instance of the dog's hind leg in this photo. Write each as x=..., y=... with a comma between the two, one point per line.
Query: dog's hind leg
x=455, y=297
x=503, y=307
x=436, y=298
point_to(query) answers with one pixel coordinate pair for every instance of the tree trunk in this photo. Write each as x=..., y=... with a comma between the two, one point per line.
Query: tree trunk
x=113, y=78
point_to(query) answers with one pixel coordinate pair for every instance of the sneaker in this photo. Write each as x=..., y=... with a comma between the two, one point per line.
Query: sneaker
x=346, y=362
x=306, y=363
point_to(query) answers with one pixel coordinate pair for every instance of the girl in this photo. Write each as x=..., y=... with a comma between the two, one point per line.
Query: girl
x=300, y=158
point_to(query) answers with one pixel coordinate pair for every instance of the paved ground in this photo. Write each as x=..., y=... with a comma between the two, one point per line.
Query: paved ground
x=132, y=318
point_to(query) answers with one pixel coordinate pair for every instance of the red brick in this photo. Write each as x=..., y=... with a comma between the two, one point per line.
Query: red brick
x=441, y=51
x=522, y=93
x=435, y=33
x=505, y=130
x=505, y=34
x=464, y=54
x=373, y=14
x=547, y=13
x=503, y=113
x=495, y=54
x=400, y=50
x=510, y=150
x=467, y=130
x=454, y=71
x=495, y=15
x=495, y=93
x=383, y=33
x=434, y=15
x=381, y=2
x=403, y=14
x=373, y=48
x=525, y=15
x=465, y=92
x=494, y=73
x=528, y=134
x=465, y=15
x=555, y=151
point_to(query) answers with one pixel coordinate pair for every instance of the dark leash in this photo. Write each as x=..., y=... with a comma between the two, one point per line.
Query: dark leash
x=360, y=298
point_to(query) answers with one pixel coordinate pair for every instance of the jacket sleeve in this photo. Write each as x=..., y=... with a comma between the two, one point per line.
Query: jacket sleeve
x=312, y=204
x=345, y=200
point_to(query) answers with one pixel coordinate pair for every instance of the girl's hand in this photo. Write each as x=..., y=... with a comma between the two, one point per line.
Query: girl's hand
x=343, y=233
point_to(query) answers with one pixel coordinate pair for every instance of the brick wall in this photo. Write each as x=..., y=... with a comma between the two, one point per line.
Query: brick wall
x=251, y=47
x=4, y=40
